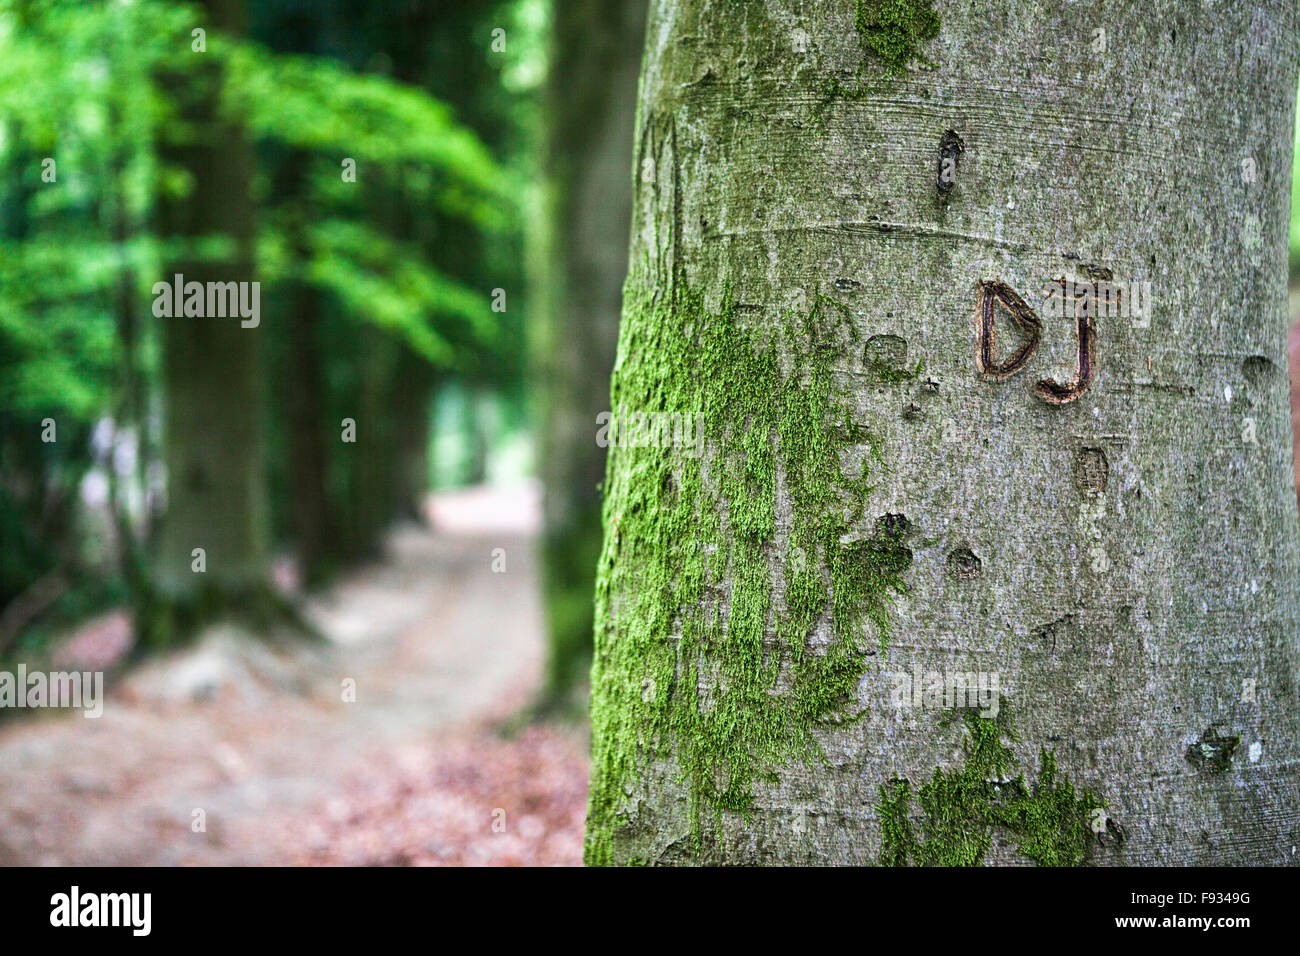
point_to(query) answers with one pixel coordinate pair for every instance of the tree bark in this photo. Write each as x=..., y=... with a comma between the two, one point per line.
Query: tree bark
x=596, y=46
x=373, y=466
x=313, y=518
x=414, y=386
x=827, y=195
x=210, y=371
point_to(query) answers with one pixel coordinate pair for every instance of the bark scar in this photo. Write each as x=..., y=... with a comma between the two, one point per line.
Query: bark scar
x=1052, y=391
x=994, y=294
x=950, y=149
x=991, y=295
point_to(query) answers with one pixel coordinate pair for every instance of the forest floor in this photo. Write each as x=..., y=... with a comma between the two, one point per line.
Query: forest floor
x=234, y=753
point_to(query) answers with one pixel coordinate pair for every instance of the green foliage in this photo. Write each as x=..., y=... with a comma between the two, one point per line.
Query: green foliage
x=390, y=283
x=89, y=78
x=58, y=351
x=321, y=106
x=398, y=256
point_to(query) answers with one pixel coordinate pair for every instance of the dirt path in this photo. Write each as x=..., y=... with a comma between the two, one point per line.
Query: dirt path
x=283, y=770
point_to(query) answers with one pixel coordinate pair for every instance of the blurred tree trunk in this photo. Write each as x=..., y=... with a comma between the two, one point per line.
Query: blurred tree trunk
x=298, y=355
x=313, y=519
x=373, y=464
x=211, y=369
x=475, y=429
x=826, y=195
x=591, y=100
x=411, y=388
x=413, y=391
x=129, y=397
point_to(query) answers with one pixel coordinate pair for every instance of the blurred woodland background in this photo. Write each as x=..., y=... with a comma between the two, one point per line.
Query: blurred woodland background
x=435, y=200
x=387, y=172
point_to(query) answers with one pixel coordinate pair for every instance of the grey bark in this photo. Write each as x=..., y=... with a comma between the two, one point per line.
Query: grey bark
x=1138, y=559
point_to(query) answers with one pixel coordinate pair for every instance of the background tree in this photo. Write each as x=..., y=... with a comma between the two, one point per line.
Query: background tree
x=136, y=156
x=834, y=189
x=594, y=64
x=211, y=372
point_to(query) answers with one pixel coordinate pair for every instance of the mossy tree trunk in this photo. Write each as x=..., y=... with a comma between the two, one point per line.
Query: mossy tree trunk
x=827, y=196
x=595, y=58
x=216, y=492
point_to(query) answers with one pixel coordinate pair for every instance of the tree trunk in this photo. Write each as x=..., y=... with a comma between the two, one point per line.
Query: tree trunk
x=837, y=204
x=313, y=518
x=130, y=389
x=210, y=372
x=309, y=434
x=413, y=390
x=596, y=49
x=374, y=466
x=415, y=45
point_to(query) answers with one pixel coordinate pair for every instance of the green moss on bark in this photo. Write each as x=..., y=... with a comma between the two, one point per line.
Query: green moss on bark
x=894, y=29
x=569, y=562
x=963, y=807
x=706, y=600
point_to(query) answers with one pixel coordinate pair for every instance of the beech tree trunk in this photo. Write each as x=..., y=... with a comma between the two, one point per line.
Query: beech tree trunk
x=211, y=377
x=1096, y=509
